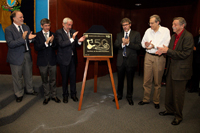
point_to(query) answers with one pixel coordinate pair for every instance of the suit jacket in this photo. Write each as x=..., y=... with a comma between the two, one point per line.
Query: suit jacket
x=197, y=52
x=131, y=50
x=16, y=44
x=180, y=59
x=45, y=54
x=65, y=47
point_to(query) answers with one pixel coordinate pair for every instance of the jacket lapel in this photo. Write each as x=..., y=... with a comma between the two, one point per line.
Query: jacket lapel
x=16, y=31
x=180, y=40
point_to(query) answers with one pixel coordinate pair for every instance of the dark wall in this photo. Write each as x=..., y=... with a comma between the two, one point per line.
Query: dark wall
x=86, y=14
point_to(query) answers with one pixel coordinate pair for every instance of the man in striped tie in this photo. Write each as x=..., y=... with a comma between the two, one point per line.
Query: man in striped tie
x=128, y=42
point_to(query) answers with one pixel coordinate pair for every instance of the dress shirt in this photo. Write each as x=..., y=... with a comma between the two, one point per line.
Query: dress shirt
x=158, y=39
x=177, y=38
x=23, y=32
x=127, y=36
x=47, y=37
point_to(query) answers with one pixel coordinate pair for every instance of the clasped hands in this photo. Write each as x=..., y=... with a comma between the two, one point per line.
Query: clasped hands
x=50, y=39
x=81, y=39
x=125, y=41
x=162, y=50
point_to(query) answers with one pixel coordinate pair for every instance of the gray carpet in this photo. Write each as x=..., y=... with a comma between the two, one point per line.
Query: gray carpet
x=99, y=113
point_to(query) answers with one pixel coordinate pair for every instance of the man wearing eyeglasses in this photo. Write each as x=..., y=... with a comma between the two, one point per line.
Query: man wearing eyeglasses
x=154, y=65
x=128, y=42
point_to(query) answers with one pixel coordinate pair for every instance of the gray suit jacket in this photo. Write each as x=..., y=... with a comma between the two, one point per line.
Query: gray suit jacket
x=180, y=59
x=131, y=50
x=16, y=44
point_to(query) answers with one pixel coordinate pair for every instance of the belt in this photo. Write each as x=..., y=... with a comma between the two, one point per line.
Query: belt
x=154, y=54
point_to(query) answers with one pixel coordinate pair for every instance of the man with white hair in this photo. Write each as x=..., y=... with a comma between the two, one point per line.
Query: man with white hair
x=67, y=42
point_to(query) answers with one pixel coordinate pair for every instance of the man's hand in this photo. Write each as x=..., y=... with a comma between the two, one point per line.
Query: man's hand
x=147, y=44
x=31, y=36
x=162, y=50
x=74, y=35
x=82, y=39
x=125, y=41
x=52, y=37
x=24, y=35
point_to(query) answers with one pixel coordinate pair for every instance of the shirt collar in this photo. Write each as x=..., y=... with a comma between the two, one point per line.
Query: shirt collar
x=179, y=35
x=45, y=32
x=159, y=29
x=17, y=26
x=127, y=32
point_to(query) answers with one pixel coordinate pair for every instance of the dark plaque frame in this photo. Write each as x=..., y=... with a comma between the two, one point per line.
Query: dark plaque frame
x=98, y=44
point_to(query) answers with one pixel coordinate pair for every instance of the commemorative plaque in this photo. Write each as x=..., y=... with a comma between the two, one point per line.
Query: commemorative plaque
x=98, y=44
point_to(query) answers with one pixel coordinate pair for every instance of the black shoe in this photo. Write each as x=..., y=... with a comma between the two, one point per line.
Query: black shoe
x=192, y=90
x=130, y=101
x=142, y=103
x=74, y=98
x=157, y=106
x=19, y=99
x=119, y=98
x=33, y=93
x=57, y=100
x=65, y=99
x=46, y=100
x=176, y=122
x=164, y=113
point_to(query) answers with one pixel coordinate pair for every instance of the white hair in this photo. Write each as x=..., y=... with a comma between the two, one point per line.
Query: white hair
x=65, y=20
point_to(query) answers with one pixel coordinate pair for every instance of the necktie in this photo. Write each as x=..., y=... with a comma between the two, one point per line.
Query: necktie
x=68, y=34
x=124, y=50
x=20, y=31
x=45, y=35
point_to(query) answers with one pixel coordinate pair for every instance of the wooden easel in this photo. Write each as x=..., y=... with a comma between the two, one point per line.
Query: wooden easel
x=96, y=59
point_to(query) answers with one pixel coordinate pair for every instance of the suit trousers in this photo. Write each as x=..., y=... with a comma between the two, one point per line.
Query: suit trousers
x=129, y=72
x=49, y=85
x=67, y=72
x=24, y=71
x=174, y=95
x=154, y=67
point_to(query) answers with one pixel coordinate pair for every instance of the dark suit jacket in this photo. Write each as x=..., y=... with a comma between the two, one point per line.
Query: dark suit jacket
x=45, y=54
x=65, y=47
x=16, y=44
x=197, y=52
x=131, y=50
x=180, y=59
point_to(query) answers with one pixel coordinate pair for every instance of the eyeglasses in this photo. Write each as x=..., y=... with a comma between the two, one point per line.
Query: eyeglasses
x=151, y=23
x=125, y=25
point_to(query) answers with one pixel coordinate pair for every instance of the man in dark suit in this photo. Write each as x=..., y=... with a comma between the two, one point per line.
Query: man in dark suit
x=46, y=60
x=179, y=69
x=67, y=42
x=127, y=43
x=17, y=37
x=196, y=65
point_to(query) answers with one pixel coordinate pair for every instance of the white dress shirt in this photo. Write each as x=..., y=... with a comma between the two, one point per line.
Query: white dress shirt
x=158, y=39
x=48, y=33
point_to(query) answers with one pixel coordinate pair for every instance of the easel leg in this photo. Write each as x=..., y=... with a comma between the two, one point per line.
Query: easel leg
x=95, y=75
x=83, y=84
x=113, y=84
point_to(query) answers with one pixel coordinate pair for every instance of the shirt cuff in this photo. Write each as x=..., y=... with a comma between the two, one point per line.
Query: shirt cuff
x=123, y=45
x=79, y=43
x=46, y=44
x=71, y=40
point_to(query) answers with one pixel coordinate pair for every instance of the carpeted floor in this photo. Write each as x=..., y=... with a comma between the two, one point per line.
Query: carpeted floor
x=99, y=113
